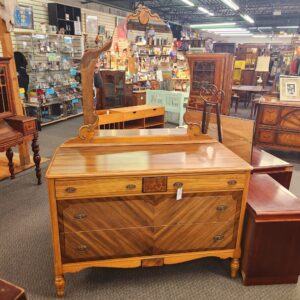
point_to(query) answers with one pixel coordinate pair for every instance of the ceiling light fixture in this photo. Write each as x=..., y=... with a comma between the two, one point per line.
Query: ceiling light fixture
x=188, y=2
x=212, y=25
x=265, y=28
x=231, y=4
x=259, y=36
x=287, y=27
x=235, y=34
x=247, y=18
x=227, y=29
x=204, y=10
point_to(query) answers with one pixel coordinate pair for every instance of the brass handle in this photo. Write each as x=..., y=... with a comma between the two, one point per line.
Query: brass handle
x=219, y=237
x=178, y=185
x=80, y=216
x=221, y=207
x=82, y=248
x=232, y=182
x=70, y=189
x=131, y=186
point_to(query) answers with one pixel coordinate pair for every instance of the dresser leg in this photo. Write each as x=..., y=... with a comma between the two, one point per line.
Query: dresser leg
x=60, y=285
x=11, y=166
x=37, y=158
x=235, y=265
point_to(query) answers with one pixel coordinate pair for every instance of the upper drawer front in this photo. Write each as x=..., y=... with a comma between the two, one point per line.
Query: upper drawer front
x=84, y=188
x=207, y=182
x=104, y=213
x=151, y=112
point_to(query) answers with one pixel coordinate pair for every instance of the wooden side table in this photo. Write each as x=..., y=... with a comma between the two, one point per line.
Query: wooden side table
x=9, y=291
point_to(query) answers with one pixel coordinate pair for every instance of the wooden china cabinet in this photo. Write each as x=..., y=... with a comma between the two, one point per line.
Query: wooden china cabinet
x=14, y=130
x=211, y=68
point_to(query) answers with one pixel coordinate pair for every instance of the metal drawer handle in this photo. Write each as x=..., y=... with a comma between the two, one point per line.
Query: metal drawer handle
x=221, y=207
x=70, y=189
x=219, y=237
x=178, y=185
x=130, y=186
x=232, y=182
x=82, y=248
x=80, y=216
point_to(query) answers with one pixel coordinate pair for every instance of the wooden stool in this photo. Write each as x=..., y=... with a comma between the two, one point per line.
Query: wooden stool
x=271, y=244
x=8, y=291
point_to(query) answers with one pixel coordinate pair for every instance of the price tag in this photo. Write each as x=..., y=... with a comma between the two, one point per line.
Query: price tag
x=179, y=193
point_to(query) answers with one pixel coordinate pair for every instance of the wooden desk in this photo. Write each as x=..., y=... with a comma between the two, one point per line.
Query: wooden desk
x=145, y=198
x=266, y=163
x=278, y=126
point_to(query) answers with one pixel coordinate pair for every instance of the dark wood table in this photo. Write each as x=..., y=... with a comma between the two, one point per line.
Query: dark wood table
x=271, y=244
x=9, y=291
x=250, y=90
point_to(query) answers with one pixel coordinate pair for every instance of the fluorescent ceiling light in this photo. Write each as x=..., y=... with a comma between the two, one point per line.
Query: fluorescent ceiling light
x=236, y=34
x=227, y=29
x=188, y=2
x=260, y=36
x=204, y=10
x=231, y=4
x=287, y=27
x=211, y=25
x=265, y=27
x=248, y=18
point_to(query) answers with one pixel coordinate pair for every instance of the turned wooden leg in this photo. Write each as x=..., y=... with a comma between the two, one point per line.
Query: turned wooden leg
x=11, y=166
x=60, y=285
x=37, y=158
x=235, y=265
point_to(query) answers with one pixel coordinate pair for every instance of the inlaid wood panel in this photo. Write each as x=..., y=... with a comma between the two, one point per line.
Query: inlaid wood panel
x=270, y=116
x=105, y=213
x=207, y=182
x=290, y=119
x=288, y=139
x=105, y=244
x=194, y=237
x=266, y=136
x=197, y=208
x=68, y=189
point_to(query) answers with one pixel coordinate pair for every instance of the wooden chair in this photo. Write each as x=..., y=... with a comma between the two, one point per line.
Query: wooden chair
x=15, y=130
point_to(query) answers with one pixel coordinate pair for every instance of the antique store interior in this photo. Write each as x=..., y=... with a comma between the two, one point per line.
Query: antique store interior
x=149, y=149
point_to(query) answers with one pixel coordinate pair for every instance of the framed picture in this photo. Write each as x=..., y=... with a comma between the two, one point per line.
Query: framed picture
x=24, y=17
x=92, y=24
x=289, y=88
x=101, y=30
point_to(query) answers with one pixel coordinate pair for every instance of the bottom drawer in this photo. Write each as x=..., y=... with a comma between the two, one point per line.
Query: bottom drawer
x=194, y=237
x=105, y=244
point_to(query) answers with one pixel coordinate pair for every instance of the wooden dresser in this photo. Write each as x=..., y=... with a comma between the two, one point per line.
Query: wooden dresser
x=141, y=198
x=278, y=126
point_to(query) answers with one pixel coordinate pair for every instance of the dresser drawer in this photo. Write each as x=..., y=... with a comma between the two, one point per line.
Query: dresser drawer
x=85, y=188
x=197, y=208
x=266, y=136
x=105, y=244
x=196, y=237
x=104, y=213
x=145, y=113
x=207, y=182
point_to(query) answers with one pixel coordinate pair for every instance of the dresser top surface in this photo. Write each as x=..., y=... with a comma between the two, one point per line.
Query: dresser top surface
x=89, y=160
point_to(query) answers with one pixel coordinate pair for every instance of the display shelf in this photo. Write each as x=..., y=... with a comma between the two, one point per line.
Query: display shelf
x=61, y=119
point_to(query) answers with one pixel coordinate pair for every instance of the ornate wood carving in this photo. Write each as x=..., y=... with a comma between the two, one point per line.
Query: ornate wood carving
x=144, y=15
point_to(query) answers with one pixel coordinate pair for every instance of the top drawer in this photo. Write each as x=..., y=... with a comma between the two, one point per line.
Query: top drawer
x=146, y=113
x=85, y=188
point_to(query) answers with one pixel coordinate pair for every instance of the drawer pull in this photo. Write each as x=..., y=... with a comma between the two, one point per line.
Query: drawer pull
x=221, y=208
x=80, y=216
x=178, y=185
x=232, y=182
x=82, y=248
x=131, y=187
x=219, y=237
x=70, y=189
